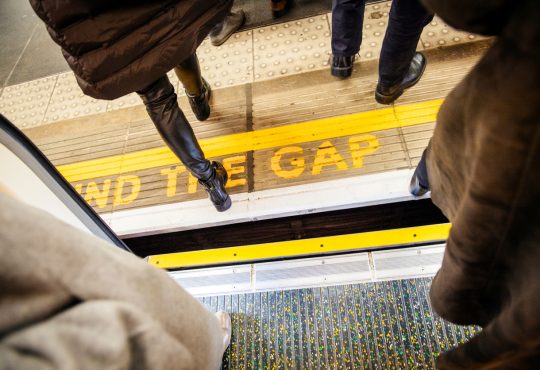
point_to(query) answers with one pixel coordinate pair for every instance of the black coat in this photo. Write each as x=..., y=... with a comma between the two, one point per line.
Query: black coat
x=118, y=47
x=484, y=170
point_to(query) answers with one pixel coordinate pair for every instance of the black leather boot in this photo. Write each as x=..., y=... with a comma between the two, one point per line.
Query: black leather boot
x=215, y=187
x=387, y=95
x=419, y=184
x=200, y=104
x=342, y=66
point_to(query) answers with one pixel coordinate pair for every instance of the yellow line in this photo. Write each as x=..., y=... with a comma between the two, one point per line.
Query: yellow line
x=302, y=248
x=357, y=123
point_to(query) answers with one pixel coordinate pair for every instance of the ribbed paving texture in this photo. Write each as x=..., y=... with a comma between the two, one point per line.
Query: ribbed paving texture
x=382, y=325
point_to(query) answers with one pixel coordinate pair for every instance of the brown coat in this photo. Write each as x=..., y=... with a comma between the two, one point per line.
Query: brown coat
x=484, y=172
x=118, y=47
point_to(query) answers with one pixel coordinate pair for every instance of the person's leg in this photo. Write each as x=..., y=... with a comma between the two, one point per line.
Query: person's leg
x=419, y=184
x=399, y=64
x=197, y=89
x=347, y=23
x=162, y=107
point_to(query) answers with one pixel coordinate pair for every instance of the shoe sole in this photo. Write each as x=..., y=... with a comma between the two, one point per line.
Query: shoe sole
x=224, y=40
x=389, y=99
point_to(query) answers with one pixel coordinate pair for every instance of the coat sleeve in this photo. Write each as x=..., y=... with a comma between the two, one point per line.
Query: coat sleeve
x=95, y=335
x=62, y=290
x=485, y=17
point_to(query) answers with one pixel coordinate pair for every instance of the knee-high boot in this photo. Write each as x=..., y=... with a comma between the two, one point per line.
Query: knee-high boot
x=162, y=107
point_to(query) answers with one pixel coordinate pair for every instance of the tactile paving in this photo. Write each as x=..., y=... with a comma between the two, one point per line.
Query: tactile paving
x=25, y=104
x=229, y=64
x=380, y=325
x=264, y=53
x=291, y=47
x=438, y=34
x=68, y=101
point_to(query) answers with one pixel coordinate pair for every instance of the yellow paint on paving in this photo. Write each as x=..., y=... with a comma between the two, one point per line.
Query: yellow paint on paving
x=303, y=248
x=357, y=123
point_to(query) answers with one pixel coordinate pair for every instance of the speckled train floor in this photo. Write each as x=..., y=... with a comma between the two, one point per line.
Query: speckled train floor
x=381, y=325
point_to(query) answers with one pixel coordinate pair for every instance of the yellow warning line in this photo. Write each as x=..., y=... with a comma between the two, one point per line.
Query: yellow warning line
x=327, y=128
x=302, y=248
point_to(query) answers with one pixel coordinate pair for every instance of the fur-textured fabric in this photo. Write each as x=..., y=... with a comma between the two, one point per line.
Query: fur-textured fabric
x=484, y=171
x=68, y=300
x=118, y=47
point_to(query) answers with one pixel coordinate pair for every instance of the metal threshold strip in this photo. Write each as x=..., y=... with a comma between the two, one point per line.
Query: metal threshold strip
x=305, y=247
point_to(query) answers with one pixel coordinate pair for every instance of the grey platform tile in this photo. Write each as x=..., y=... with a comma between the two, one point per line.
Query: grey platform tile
x=17, y=22
x=42, y=57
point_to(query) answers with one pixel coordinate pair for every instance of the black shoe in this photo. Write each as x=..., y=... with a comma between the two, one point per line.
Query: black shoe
x=342, y=66
x=280, y=7
x=387, y=95
x=199, y=104
x=419, y=184
x=215, y=187
x=224, y=30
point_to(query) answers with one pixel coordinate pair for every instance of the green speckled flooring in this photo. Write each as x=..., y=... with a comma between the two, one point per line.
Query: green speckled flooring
x=382, y=325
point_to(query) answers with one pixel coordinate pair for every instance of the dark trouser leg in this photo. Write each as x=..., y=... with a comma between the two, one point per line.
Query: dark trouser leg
x=421, y=171
x=189, y=74
x=407, y=20
x=163, y=109
x=347, y=23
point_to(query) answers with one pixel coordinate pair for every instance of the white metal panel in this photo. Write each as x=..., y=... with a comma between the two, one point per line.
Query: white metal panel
x=322, y=196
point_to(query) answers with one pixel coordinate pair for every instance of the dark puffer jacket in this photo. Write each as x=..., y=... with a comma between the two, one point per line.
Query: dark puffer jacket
x=484, y=171
x=118, y=47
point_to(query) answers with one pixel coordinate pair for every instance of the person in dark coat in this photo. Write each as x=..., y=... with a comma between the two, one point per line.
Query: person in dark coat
x=400, y=66
x=116, y=48
x=483, y=168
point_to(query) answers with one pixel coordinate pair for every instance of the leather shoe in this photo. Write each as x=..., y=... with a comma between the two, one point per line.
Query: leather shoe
x=387, y=95
x=215, y=187
x=419, y=184
x=416, y=188
x=199, y=104
x=224, y=30
x=280, y=7
x=342, y=66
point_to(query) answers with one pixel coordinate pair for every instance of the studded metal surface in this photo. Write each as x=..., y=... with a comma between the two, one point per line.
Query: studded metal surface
x=382, y=325
x=437, y=34
x=249, y=56
x=68, y=101
x=291, y=47
x=229, y=64
x=25, y=104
